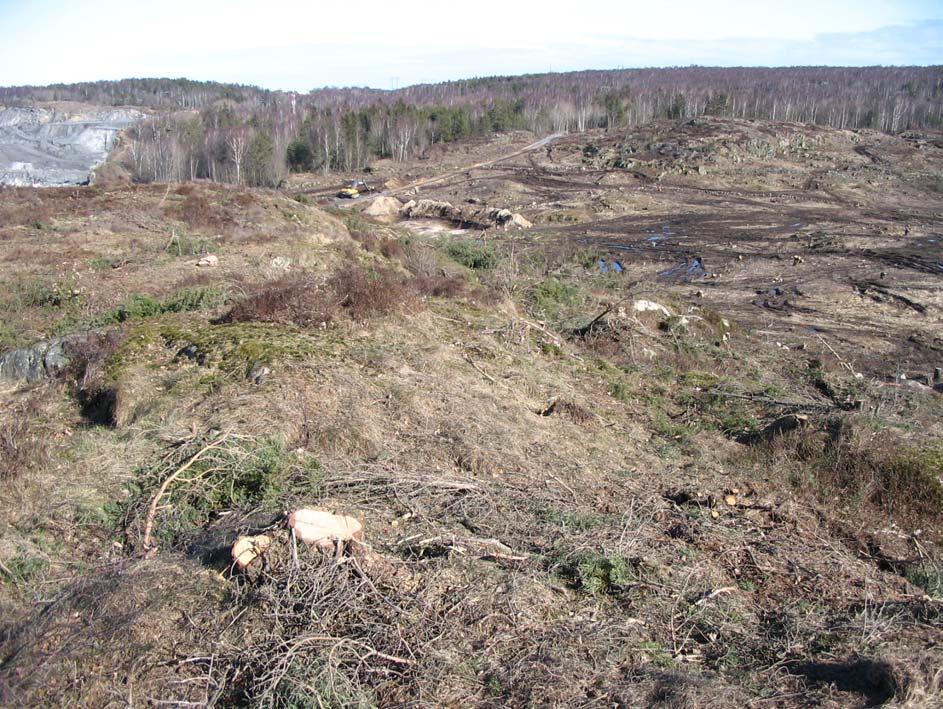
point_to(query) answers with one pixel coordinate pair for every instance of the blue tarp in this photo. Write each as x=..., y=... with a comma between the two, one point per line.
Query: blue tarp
x=687, y=271
x=609, y=266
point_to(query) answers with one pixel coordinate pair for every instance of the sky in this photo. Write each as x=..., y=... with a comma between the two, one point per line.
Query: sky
x=304, y=44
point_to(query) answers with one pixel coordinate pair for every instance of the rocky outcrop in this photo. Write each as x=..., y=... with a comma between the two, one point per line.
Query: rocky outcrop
x=44, y=360
x=45, y=148
x=470, y=216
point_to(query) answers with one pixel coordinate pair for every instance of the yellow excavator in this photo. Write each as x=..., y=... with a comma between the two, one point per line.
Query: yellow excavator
x=354, y=190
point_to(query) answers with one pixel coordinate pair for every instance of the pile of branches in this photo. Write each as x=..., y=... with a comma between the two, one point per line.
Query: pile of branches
x=315, y=627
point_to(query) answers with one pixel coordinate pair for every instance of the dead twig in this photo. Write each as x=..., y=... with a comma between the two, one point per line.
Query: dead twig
x=841, y=361
x=152, y=510
x=481, y=371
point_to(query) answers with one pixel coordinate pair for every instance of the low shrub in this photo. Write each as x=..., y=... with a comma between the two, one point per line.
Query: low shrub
x=860, y=470
x=472, y=254
x=295, y=298
x=363, y=294
x=197, y=212
x=439, y=286
x=140, y=305
x=237, y=473
x=300, y=299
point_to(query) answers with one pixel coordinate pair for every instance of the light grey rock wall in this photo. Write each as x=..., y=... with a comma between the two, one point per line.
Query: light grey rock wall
x=45, y=148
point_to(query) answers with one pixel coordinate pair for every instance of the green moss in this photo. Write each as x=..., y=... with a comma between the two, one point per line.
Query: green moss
x=232, y=348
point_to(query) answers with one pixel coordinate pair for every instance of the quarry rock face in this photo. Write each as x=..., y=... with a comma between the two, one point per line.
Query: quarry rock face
x=44, y=360
x=42, y=147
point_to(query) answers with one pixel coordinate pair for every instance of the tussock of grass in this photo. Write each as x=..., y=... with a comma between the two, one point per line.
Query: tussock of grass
x=928, y=576
x=551, y=295
x=596, y=572
x=22, y=446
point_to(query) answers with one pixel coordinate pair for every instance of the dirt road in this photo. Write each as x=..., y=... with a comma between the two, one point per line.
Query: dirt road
x=439, y=178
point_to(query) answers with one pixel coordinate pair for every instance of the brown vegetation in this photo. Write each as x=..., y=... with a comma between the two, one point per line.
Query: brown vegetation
x=22, y=444
x=301, y=299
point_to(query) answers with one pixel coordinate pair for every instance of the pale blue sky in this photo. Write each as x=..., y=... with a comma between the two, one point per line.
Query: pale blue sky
x=303, y=44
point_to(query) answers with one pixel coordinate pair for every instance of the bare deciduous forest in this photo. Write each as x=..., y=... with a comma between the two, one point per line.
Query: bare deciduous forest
x=243, y=134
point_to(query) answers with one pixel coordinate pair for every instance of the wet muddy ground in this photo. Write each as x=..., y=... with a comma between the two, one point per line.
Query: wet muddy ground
x=798, y=232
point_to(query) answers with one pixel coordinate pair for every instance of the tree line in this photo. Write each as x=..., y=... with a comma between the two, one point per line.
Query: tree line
x=233, y=133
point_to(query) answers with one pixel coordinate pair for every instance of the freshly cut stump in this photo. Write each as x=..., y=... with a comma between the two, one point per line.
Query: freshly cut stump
x=247, y=549
x=323, y=529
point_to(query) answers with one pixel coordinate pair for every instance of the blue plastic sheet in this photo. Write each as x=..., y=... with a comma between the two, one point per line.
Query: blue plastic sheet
x=611, y=266
x=687, y=271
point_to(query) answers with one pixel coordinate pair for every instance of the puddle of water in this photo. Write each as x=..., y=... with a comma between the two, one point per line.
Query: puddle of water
x=796, y=225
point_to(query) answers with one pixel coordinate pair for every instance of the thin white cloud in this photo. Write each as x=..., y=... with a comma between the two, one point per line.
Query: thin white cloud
x=298, y=45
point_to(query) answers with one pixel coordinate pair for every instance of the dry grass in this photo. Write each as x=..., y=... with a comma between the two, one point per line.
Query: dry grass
x=22, y=443
x=115, y=623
